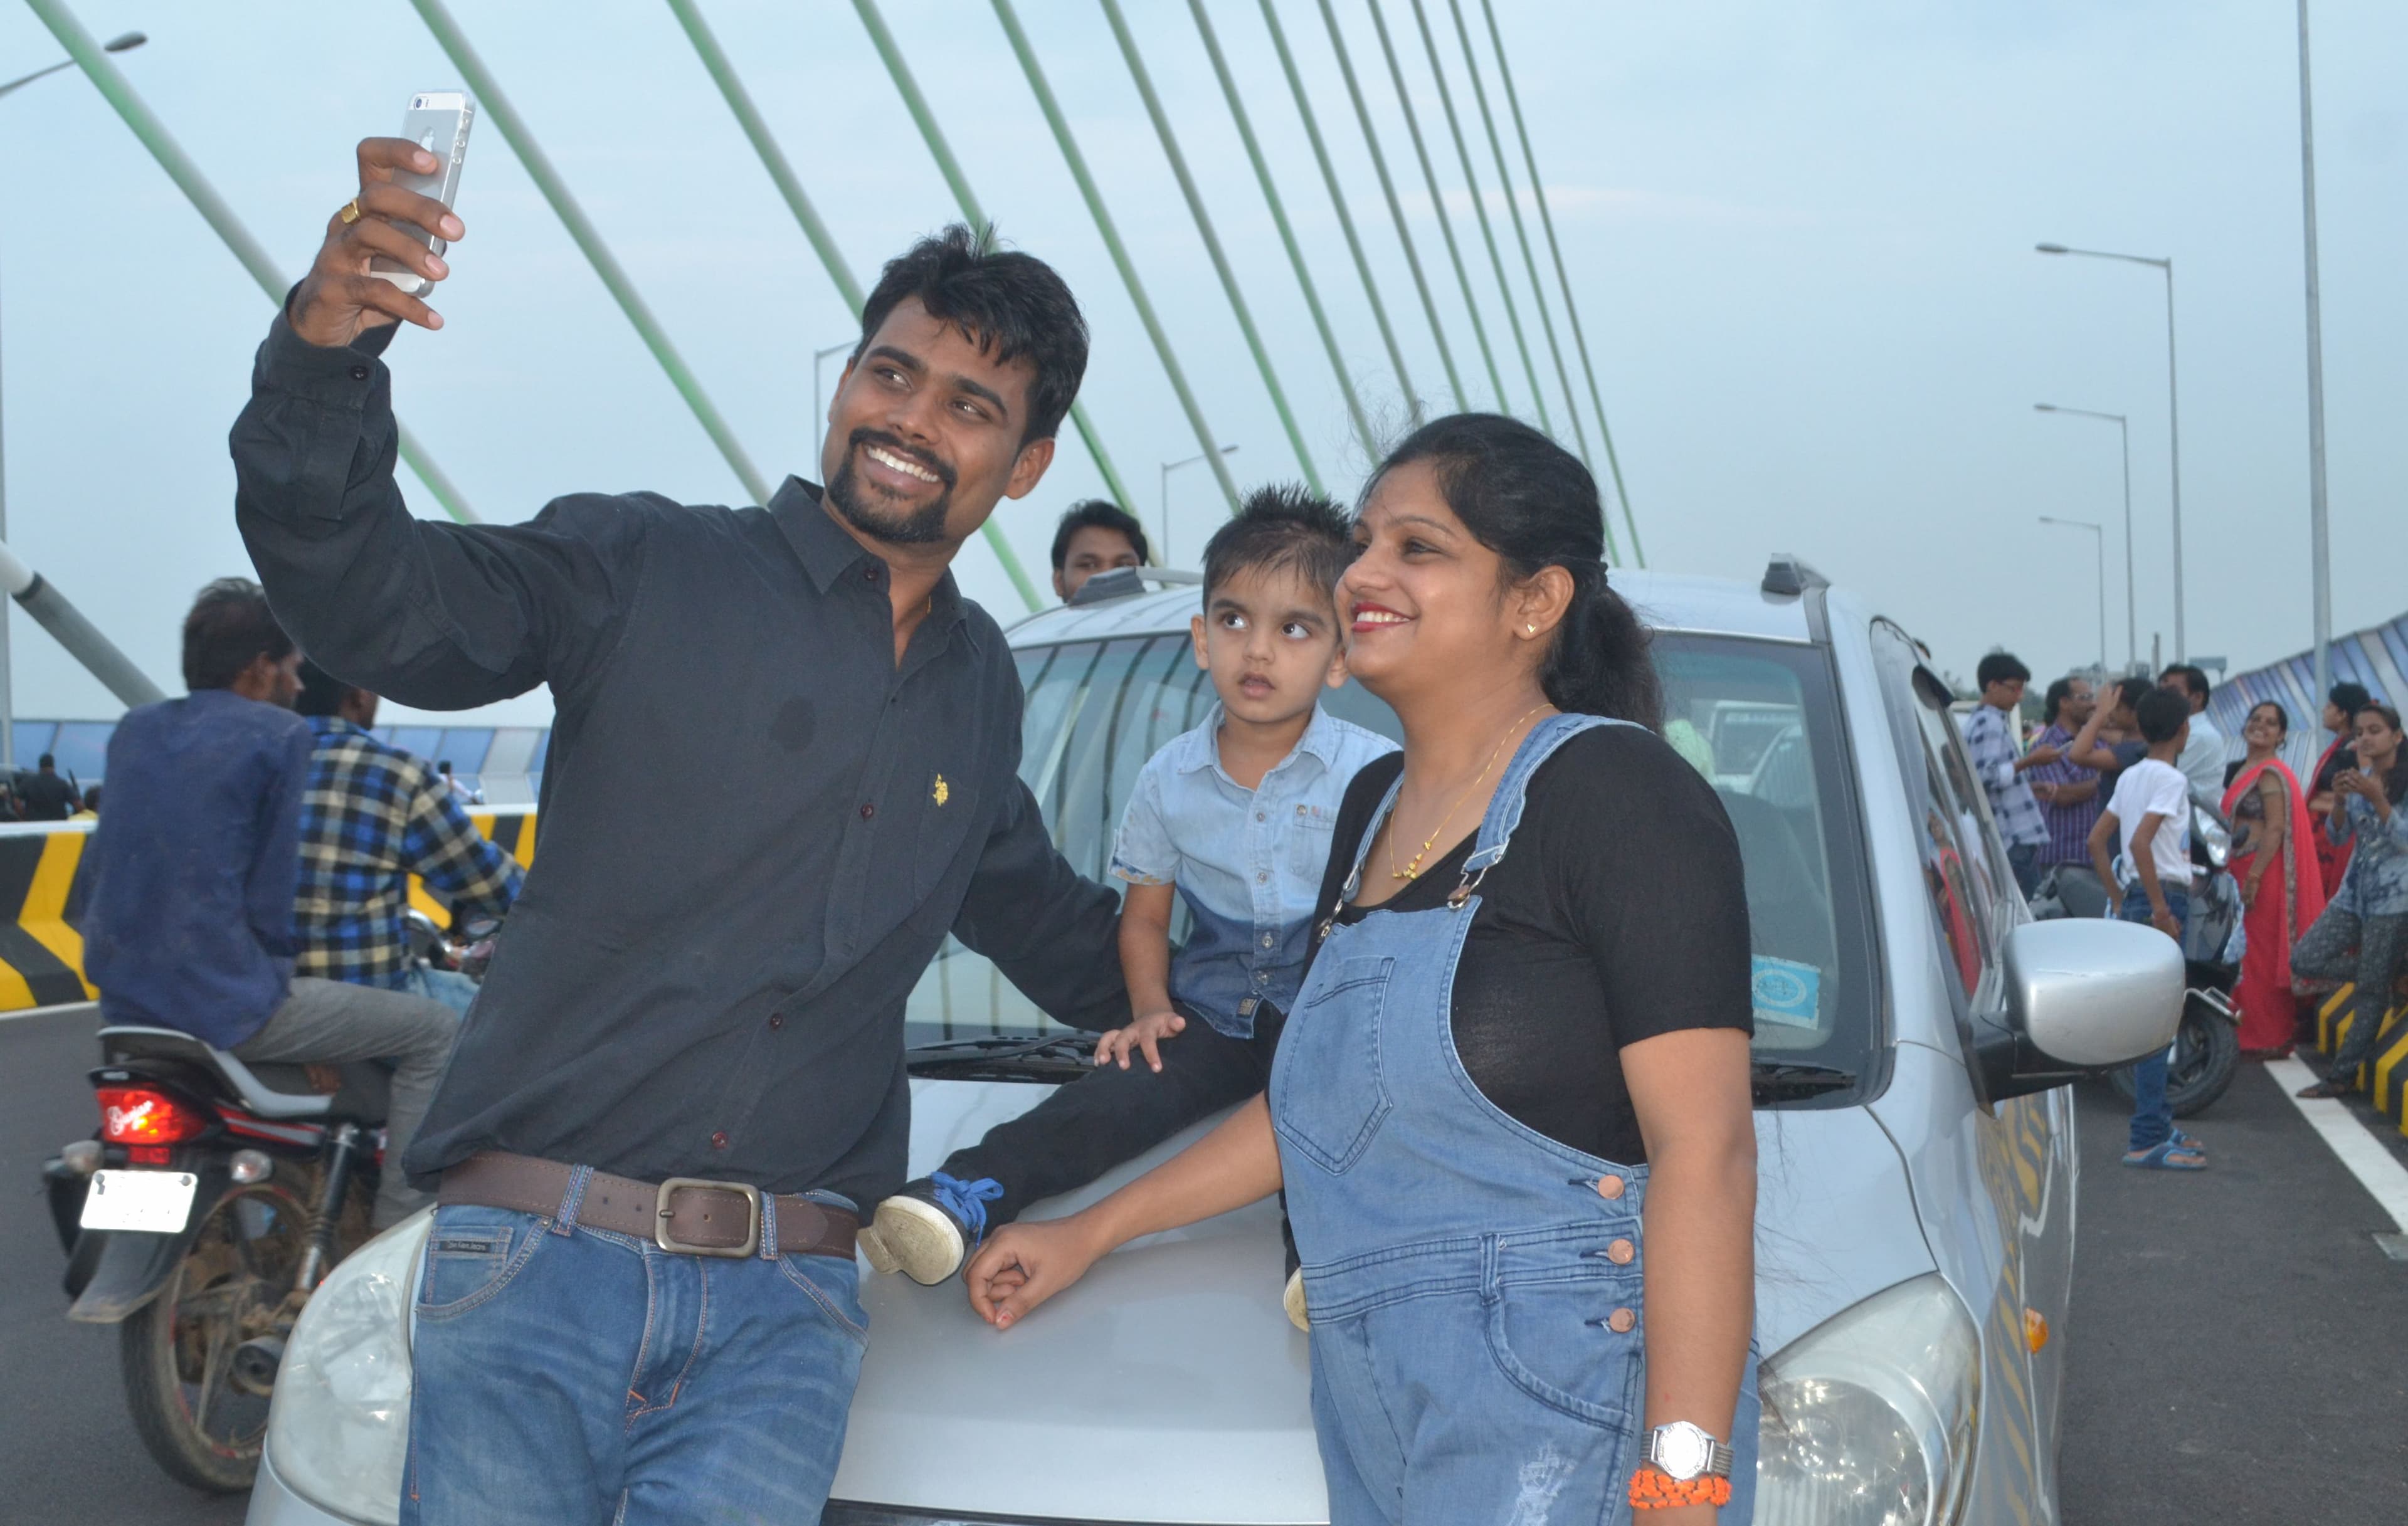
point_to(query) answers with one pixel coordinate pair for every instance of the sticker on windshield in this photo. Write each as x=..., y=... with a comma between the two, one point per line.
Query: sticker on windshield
x=1786, y=993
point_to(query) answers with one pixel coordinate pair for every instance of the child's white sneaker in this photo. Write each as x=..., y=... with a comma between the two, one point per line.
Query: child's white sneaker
x=929, y=1228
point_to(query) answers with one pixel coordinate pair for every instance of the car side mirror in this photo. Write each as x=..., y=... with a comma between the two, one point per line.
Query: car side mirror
x=2083, y=997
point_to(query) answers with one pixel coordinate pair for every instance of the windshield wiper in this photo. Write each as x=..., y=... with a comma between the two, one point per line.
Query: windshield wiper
x=1776, y=1080
x=1037, y=1058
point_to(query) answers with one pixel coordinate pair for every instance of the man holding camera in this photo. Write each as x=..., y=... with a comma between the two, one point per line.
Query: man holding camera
x=715, y=996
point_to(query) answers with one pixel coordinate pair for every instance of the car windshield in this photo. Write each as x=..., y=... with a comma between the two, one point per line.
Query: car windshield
x=1759, y=718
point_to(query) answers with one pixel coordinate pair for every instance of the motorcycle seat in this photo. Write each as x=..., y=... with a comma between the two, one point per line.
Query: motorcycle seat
x=280, y=1092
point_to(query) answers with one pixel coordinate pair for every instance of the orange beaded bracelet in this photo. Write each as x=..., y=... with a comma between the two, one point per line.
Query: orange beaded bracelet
x=1652, y=1489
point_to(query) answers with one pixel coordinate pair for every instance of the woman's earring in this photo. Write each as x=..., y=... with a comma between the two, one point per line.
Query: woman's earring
x=1532, y=629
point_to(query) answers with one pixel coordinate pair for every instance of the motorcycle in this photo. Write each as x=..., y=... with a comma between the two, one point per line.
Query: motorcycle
x=2207, y=1045
x=208, y=1205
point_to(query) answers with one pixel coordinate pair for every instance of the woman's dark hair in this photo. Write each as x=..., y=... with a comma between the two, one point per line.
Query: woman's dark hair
x=1531, y=502
x=229, y=628
x=2395, y=779
x=1012, y=304
x=2282, y=717
x=2128, y=693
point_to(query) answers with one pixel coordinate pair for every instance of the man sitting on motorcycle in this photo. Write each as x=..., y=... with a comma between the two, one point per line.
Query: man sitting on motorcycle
x=374, y=816
x=190, y=920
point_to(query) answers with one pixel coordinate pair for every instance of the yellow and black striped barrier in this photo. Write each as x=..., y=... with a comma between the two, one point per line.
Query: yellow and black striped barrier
x=2384, y=1077
x=41, y=940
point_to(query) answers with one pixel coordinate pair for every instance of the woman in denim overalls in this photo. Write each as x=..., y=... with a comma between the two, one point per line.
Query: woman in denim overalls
x=1483, y=1344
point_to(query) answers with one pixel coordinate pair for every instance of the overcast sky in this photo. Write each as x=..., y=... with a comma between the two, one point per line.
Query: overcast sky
x=1800, y=237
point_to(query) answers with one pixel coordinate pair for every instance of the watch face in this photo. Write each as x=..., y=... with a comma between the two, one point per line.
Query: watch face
x=1682, y=1450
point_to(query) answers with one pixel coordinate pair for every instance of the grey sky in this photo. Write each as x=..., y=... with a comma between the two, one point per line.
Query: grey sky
x=1800, y=237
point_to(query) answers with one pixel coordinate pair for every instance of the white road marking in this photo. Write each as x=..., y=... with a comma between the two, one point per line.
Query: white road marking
x=50, y=1011
x=2376, y=1169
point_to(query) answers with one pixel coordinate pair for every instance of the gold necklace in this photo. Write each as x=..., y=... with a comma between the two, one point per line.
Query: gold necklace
x=1414, y=870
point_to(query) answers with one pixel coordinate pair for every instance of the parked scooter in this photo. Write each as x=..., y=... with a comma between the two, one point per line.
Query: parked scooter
x=214, y=1198
x=2207, y=1045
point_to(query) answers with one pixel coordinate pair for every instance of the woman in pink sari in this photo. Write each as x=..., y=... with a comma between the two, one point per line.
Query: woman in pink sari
x=2273, y=856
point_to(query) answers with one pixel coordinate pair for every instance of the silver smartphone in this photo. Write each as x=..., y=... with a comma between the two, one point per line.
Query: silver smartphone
x=438, y=121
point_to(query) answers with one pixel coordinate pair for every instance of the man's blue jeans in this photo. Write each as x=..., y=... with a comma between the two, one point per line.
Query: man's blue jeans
x=2153, y=1118
x=567, y=1374
x=450, y=987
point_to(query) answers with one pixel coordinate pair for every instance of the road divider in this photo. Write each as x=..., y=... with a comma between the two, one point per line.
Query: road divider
x=2384, y=1077
x=42, y=890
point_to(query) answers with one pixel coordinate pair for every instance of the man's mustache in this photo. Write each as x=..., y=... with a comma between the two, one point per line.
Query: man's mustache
x=894, y=446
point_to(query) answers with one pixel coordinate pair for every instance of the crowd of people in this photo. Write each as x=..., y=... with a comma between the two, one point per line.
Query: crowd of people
x=2100, y=808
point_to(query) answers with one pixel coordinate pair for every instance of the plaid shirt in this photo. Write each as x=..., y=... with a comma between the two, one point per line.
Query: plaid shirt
x=1991, y=744
x=373, y=817
x=2069, y=826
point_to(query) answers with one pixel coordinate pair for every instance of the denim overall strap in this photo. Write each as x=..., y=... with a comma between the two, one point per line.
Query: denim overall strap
x=1505, y=806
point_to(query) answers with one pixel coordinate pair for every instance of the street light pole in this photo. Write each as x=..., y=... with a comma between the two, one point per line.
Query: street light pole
x=2102, y=534
x=122, y=43
x=2174, y=409
x=1168, y=468
x=819, y=407
x=2132, y=618
x=2319, y=541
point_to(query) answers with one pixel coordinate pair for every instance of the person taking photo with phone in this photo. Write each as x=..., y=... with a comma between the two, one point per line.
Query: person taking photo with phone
x=685, y=1078
x=2364, y=928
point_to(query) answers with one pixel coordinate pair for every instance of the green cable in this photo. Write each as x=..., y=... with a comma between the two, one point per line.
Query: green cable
x=968, y=200
x=781, y=174
x=1104, y=225
x=1211, y=240
x=1571, y=310
x=116, y=90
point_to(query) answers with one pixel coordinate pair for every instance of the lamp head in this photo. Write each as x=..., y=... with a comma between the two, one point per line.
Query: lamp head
x=2051, y=249
x=2044, y=407
x=125, y=43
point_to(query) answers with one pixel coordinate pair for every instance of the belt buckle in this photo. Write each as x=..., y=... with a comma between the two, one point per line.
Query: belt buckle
x=662, y=1237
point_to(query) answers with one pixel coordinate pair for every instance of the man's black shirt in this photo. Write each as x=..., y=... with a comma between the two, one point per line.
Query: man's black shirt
x=46, y=797
x=713, y=988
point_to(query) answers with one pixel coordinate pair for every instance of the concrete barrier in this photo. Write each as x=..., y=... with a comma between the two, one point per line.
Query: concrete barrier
x=41, y=904
x=2385, y=1077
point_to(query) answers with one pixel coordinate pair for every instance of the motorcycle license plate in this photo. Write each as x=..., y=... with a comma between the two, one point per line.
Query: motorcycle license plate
x=146, y=1202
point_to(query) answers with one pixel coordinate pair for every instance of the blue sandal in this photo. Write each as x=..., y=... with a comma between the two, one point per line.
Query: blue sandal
x=2168, y=1156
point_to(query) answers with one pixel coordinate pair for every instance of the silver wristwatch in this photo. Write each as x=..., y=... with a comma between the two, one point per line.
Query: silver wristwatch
x=1685, y=1451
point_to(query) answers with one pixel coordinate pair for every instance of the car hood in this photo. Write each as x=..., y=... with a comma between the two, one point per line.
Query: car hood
x=1168, y=1385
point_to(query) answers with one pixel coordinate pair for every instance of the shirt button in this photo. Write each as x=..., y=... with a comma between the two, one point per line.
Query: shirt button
x=1258, y=816
x=867, y=810
x=1620, y=1252
x=1262, y=876
x=359, y=373
x=719, y=1141
x=775, y=1022
x=1621, y=1321
x=870, y=575
x=1267, y=941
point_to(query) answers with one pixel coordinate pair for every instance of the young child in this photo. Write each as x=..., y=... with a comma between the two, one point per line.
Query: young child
x=1234, y=817
x=2151, y=810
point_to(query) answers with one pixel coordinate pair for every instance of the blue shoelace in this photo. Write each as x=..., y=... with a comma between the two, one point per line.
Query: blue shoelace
x=967, y=1201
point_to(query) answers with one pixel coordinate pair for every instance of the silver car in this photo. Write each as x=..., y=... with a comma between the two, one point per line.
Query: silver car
x=1914, y=1035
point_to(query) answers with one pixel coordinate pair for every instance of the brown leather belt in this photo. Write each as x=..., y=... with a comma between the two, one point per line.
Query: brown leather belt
x=684, y=1213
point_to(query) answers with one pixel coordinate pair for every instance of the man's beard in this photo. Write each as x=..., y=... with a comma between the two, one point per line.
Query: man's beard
x=921, y=526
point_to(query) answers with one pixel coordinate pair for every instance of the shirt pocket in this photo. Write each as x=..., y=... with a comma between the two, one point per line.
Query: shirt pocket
x=1306, y=832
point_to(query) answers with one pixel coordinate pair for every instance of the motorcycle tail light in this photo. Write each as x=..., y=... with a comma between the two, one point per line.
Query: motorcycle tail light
x=147, y=1154
x=139, y=1116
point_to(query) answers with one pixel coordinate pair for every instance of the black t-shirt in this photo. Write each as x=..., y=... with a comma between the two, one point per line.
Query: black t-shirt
x=1619, y=913
x=47, y=797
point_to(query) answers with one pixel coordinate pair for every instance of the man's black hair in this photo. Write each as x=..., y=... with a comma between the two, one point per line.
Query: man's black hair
x=2349, y=698
x=229, y=627
x=1097, y=514
x=2059, y=693
x=45, y=761
x=1286, y=527
x=2194, y=679
x=1010, y=305
x=321, y=693
x=2162, y=713
x=2129, y=691
x=2000, y=667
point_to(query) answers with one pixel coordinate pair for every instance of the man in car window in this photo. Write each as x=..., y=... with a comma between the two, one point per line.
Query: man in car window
x=1095, y=536
x=373, y=817
x=685, y=1075
x=190, y=920
x=1991, y=733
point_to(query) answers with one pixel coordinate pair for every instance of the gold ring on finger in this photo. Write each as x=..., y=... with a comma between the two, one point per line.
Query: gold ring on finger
x=350, y=212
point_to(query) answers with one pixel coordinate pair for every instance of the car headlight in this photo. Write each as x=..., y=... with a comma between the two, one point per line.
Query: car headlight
x=1868, y=1416
x=338, y=1432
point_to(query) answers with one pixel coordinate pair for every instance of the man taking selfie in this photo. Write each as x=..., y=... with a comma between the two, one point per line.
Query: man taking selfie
x=715, y=993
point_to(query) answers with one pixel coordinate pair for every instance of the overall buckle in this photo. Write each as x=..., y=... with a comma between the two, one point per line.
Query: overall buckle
x=662, y=1237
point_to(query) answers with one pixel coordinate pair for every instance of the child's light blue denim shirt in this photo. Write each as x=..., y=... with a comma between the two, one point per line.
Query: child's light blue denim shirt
x=1247, y=863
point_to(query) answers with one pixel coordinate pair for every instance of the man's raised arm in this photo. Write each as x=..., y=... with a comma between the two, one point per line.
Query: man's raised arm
x=432, y=614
